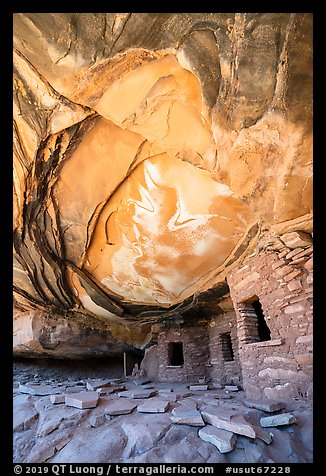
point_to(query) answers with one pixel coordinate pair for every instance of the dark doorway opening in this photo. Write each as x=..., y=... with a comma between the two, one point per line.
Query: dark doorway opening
x=254, y=324
x=227, y=349
x=264, y=332
x=175, y=352
x=130, y=359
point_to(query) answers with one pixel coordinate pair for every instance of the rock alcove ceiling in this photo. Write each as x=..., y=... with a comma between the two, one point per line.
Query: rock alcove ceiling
x=152, y=154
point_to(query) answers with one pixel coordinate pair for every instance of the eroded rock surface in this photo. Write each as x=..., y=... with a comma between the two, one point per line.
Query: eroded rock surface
x=143, y=173
x=115, y=431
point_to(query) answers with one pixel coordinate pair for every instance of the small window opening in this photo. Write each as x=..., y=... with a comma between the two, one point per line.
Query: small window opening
x=176, y=353
x=227, y=349
x=264, y=332
x=254, y=324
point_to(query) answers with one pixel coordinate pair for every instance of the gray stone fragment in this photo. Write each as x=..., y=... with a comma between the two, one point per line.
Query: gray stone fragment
x=142, y=381
x=222, y=439
x=37, y=389
x=278, y=420
x=95, y=384
x=60, y=398
x=252, y=451
x=214, y=394
x=187, y=415
x=120, y=407
x=188, y=401
x=164, y=391
x=195, y=420
x=226, y=421
x=231, y=388
x=108, y=390
x=75, y=389
x=263, y=435
x=185, y=411
x=266, y=406
x=197, y=388
x=24, y=417
x=47, y=427
x=170, y=397
x=154, y=405
x=137, y=393
x=183, y=395
x=117, y=381
x=78, y=383
x=97, y=420
x=216, y=386
x=82, y=400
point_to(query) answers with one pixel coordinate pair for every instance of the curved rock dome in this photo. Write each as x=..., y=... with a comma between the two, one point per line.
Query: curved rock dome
x=152, y=154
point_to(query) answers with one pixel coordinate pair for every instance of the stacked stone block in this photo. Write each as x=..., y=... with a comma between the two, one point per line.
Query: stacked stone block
x=195, y=350
x=282, y=367
x=221, y=371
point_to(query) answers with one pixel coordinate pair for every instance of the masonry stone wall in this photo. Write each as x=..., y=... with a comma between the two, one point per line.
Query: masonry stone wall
x=222, y=370
x=280, y=368
x=195, y=352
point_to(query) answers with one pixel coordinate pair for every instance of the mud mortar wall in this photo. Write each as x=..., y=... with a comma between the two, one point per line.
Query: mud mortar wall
x=195, y=352
x=280, y=368
x=220, y=370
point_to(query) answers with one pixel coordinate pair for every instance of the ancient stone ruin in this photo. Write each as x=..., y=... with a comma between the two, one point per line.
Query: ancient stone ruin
x=163, y=225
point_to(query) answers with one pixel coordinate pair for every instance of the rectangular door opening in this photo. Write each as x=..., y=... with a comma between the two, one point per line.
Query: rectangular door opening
x=175, y=353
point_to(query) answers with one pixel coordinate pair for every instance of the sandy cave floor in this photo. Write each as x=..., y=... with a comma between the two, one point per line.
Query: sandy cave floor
x=56, y=433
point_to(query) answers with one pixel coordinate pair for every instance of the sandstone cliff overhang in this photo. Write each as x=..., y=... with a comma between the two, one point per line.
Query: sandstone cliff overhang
x=152, y=154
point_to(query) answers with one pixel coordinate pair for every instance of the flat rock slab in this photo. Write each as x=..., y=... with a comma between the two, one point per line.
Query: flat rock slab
x=212, y=401
x=163, y=391
x=214, y=394
x=231, y=388
x=170, y=397
x=24, y=417
x=141, y=381
x=197, y=388
x=216, y=386
x=265, y=406
x=61, y=398
x=183, y=394
x=195, y=420
x=188, y=401
x=253, y=452
x=82, y=400
x=120, y=407
x=185, y=411
x=225, y=396
x=278, y=420
x=137, y=393
x=37, y=389
x=73, y=384
x=95, y=384
x=108, y=390
x=75, y=389
x=226, y=421
x=116, y=381
x=154, y=405
x=222, y=439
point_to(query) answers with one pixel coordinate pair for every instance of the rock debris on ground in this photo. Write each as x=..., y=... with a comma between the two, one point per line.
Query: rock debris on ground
x=169, y=424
